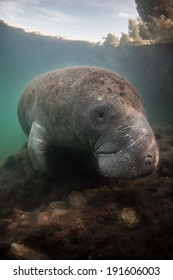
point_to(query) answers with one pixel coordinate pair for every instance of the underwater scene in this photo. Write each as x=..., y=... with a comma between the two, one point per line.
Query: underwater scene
x=86, y=142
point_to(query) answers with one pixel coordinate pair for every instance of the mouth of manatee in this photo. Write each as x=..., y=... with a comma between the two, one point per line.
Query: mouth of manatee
x=142, y=162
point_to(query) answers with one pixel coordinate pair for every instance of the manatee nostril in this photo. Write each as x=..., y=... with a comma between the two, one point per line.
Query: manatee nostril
x=149, y=158
x=149, y=155
x=152, y=155
x=152, y=158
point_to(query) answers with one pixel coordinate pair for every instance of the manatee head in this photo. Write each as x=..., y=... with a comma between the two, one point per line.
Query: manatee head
x=111, y=122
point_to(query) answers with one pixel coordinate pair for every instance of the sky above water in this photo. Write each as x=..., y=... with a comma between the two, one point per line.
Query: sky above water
x=89, y=20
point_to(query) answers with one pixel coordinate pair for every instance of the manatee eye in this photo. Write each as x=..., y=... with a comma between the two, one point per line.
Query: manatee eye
x=101, y=114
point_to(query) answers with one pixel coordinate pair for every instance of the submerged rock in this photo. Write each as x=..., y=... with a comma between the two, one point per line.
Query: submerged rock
x=128, y=217
x=26, y=253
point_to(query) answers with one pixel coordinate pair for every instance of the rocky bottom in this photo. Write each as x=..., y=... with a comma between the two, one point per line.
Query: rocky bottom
x=81, y=216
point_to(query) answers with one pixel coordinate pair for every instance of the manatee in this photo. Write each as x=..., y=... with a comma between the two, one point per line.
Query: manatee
x=88, y=111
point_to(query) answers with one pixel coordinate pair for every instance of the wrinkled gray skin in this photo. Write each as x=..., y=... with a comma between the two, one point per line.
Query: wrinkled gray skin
x=89, y=110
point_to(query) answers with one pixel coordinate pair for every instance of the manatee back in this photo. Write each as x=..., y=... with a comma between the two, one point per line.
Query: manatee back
x=46, y=97
x=50, y=99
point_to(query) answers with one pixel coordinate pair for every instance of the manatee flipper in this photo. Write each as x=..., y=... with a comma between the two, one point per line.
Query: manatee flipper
x=37, y=146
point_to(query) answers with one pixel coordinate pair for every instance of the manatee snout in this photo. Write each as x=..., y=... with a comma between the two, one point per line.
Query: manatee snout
x=152, y=155
x=138, y=159
x=148, y=155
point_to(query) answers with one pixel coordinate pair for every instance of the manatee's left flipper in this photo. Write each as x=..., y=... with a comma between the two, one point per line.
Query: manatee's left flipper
x=37, y=146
